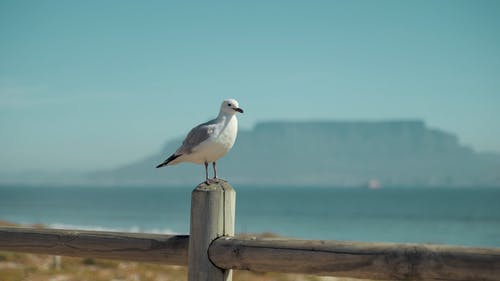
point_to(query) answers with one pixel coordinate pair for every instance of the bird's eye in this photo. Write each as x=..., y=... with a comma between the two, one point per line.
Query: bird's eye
x=228, y=104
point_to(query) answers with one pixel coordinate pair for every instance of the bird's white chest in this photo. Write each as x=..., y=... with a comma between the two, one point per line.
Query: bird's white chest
x=227, y=136
x=219, y=144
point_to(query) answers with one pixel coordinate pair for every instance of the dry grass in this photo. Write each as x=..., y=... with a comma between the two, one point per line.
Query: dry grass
x=31, y=267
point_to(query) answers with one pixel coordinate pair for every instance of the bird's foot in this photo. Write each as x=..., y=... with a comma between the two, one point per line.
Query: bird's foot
x=210, y=181
x=214, y=180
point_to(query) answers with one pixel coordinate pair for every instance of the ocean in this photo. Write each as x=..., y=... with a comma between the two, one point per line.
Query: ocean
x=458, y=216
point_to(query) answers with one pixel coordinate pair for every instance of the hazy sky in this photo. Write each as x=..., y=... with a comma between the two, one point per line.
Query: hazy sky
x=94, y=84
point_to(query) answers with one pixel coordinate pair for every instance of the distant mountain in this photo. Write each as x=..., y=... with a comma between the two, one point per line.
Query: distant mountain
x=389, y=153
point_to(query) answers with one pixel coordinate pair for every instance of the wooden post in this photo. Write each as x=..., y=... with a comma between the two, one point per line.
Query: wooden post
x=212, y=216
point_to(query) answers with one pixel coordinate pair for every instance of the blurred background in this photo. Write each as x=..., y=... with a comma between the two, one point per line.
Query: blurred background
x=364, y=120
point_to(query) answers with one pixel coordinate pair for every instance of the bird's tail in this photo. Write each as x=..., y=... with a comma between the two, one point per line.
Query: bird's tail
x=169, y=159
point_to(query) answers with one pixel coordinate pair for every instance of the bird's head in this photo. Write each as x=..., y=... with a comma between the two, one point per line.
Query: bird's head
x=230, y=106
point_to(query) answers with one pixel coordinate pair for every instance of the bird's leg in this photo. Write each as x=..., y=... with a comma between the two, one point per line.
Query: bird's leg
x=206, y=171
x=215, y=169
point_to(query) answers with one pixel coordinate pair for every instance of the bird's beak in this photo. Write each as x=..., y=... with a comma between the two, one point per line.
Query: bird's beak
x=238, y=109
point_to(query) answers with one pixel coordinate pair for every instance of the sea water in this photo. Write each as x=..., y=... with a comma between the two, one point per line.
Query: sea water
x=460, y=216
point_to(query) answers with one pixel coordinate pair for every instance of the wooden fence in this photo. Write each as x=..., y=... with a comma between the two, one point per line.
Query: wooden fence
x=211, y=251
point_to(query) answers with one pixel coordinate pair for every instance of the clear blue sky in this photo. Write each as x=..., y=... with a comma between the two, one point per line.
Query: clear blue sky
x=94, y=84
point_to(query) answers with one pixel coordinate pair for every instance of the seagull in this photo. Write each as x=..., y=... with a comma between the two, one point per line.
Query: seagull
x=208, y=142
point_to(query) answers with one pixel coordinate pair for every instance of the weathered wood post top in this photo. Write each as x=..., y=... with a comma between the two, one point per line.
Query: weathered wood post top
x=212, y=216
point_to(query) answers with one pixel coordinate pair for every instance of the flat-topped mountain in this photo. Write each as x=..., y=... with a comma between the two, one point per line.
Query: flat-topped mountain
x=333, y=153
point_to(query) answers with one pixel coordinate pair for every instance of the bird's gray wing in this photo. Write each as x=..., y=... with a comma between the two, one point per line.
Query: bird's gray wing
x=196, y=136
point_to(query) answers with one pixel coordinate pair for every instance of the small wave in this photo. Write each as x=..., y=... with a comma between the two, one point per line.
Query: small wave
x=132, y=229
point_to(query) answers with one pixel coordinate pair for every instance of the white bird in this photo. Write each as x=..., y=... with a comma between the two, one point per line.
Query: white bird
x=208, y=142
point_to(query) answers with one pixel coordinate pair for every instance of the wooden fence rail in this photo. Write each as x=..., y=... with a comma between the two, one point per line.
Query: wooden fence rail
x=379, y=261
x=213, y=251
x=159, y=248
